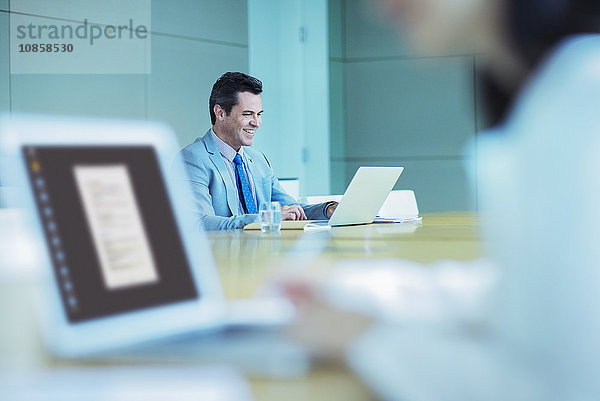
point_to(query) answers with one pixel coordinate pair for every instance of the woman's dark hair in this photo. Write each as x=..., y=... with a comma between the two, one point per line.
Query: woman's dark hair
x=535, y=27
x=225, y=91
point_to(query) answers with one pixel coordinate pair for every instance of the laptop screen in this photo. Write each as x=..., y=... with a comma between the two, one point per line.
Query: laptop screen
x=109, y=227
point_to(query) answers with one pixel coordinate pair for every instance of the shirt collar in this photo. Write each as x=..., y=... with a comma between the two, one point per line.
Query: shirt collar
x=227, y=151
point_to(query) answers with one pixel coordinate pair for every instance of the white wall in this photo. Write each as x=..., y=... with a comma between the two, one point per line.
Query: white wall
x=193, y=43
x=393, y=107
x=288, y=51
x=365, y=100
x=4, y=61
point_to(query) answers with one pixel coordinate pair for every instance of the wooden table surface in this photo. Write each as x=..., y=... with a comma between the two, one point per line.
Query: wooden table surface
x=245, y=259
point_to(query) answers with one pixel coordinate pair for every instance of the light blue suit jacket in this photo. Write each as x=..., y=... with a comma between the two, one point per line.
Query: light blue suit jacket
x=216, y=199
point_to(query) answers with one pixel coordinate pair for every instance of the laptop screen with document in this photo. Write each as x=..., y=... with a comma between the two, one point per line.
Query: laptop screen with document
x=109, y=227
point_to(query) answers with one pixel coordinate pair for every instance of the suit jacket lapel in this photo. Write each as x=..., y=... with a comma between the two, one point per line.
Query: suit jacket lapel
x=217, y=159
x=257, y=178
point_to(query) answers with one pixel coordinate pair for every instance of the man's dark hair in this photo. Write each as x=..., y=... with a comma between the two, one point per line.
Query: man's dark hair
x=225, y=91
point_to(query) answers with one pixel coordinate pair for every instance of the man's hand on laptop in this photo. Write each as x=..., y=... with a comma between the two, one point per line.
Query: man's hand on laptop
x=330, y=209
x=292, y=212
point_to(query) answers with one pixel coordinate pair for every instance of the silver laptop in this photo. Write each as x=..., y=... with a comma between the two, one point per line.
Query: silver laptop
x=123, y=263
x=365, y=195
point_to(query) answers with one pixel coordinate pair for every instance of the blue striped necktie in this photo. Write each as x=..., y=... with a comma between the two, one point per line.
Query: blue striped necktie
x=244, y=191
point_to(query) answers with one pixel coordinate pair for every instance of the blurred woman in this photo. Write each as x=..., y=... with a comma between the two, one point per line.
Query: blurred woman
x=539, y=338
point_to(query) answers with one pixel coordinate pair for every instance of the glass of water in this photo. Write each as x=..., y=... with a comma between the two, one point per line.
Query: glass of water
x=269, y=216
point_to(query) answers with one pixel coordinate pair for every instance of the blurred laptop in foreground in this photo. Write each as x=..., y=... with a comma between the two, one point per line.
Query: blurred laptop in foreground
x=122, y=264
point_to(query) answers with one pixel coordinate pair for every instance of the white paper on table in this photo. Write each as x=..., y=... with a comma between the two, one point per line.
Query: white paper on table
x=413, y=219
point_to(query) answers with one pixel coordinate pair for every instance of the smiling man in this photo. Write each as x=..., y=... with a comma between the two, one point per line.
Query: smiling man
x=228, y=178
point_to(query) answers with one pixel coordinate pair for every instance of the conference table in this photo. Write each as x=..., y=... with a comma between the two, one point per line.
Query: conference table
x=248, y=259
